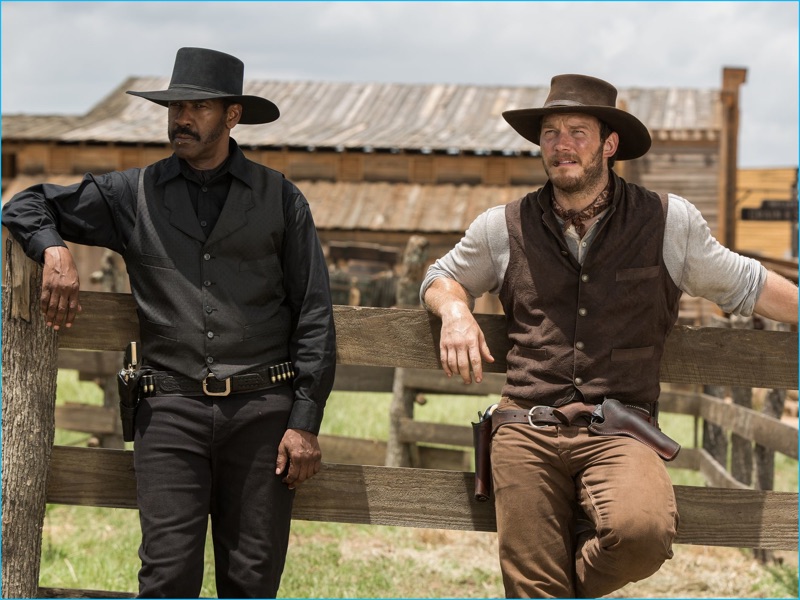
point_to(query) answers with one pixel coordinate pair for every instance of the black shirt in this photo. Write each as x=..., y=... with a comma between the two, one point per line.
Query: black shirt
x=101, y=211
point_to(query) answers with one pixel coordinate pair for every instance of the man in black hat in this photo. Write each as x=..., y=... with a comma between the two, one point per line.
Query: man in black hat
x=590, y=270
x=236, y=326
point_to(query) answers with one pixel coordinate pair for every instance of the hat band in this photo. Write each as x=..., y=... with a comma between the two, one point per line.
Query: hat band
x=183, y=86
x=556, y=103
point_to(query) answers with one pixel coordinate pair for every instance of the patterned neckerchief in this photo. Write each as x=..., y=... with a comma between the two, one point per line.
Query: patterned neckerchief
x=577, y=218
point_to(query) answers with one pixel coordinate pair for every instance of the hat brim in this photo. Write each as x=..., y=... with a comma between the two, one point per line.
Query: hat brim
x=634, y=138
x=255, y=110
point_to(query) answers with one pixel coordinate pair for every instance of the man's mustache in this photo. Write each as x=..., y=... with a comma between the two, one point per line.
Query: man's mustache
x=183, y=131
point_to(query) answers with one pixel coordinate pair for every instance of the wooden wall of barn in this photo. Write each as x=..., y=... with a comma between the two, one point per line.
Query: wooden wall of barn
x=770, y=238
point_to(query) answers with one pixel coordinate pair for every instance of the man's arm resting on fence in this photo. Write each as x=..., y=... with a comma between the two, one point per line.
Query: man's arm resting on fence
x=60, y=287
x=778, y=299
x=462, y=342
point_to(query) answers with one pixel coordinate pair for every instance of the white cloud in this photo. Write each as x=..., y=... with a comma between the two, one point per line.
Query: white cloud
x=62, y=57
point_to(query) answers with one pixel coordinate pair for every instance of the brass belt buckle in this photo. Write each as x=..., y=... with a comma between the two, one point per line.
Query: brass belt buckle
x=225, y=392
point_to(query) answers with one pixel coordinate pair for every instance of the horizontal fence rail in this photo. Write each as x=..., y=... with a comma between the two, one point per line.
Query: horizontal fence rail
x=393, y=337
x=432, y=499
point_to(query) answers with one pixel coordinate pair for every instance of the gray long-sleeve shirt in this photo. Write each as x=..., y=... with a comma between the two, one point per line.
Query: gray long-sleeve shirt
x=698, y=264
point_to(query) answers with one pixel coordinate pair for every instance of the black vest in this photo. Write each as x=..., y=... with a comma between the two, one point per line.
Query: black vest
x=217, y=304
x=590, y=330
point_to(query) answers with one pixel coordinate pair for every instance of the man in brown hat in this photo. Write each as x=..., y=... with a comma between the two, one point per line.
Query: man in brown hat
x=590, y=270
x=236, y=329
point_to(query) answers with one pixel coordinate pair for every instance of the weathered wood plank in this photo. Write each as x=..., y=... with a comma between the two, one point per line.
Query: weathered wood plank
x=434, y=499
x=683, y=403
x=98, y=420
x=750, y=424
x=715, y=473
x=46, y=592
x=392, y=337
x=687, y=459
x=352, y=451
x=92, y=364
x=358, y=378
x=436, y=382
x=355, y=451
x=739, y=357
x=108, y=321
x=435, y=433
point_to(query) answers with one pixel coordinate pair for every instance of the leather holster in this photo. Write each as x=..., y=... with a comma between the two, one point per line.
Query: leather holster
x=617, y=419
x=482, y=441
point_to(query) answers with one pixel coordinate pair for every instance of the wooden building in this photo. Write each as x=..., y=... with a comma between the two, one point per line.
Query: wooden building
x=771, y=238
x=380, y=162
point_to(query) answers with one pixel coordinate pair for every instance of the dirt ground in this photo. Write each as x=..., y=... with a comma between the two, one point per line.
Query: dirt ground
x=707, y=572
x=694, y=571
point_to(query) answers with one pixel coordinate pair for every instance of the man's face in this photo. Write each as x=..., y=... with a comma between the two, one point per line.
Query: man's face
x=574, y=157
x=199, y=130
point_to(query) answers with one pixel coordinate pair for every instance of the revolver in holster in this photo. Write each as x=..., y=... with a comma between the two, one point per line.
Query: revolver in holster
x=129, y=384
x=482, y=440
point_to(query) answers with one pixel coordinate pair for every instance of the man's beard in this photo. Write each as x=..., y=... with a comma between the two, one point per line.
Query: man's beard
x=592, y=175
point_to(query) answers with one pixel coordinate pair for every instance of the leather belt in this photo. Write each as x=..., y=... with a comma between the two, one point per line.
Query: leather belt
x=163, y=383
x=539, y=416
x=574, y=413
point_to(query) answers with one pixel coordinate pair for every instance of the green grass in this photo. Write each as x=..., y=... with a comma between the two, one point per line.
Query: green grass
x=96, y=548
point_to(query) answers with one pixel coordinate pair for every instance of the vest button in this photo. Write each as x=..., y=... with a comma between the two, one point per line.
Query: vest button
x=204, y=188
x=209, y=359
x=206, y=283
x=579, y=345
x=578, y=381
x=206, y=256
x=210, y=334
x=209, y=310
x=582, y=312
x=564, y=253
x=584, y=278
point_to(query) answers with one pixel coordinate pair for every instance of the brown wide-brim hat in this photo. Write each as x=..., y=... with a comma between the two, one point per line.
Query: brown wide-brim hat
x=590, y=96
x=201, y=74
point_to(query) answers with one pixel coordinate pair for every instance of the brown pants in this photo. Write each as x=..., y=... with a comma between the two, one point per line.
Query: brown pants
x=578, y=515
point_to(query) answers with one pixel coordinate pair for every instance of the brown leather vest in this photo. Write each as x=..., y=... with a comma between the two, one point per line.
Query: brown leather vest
x=591, y=330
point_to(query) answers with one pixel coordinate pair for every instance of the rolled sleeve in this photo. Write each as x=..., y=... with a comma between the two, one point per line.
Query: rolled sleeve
x=701, y=266
x=478, y=262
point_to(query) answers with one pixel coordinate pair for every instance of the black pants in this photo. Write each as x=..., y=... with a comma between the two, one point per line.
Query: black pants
x=201, y=456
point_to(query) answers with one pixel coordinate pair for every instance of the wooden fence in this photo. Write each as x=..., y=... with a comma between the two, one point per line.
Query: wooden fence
x=35, y=473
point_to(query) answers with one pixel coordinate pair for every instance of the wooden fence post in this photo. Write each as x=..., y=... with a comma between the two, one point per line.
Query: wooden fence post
x=764, y=457
x=741, y=447
x=112, y=278
x=29, y=394
x=715, y=439
x=398, y=453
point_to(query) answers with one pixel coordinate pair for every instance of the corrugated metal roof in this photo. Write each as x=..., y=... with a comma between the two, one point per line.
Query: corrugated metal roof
x=395, y=207
x=402, y=207
x=364, y=116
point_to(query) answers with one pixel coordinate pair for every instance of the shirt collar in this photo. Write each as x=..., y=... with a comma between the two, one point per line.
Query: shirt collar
x=236, y=166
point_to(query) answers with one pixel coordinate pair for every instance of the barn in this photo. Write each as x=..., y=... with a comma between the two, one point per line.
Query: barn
x=380, y=162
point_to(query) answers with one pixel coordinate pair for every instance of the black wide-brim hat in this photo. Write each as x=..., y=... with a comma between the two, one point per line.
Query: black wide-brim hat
x=201, y=74
x=590, y=96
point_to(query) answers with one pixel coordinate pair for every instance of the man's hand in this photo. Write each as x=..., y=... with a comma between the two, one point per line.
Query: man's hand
x=462, y=345
x=300, y=450
x=60, y=287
